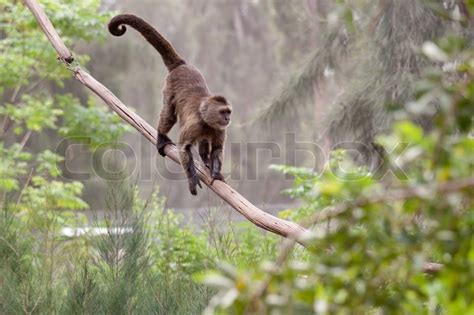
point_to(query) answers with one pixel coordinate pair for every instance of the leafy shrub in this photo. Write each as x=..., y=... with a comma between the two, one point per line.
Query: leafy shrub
x=372, y=241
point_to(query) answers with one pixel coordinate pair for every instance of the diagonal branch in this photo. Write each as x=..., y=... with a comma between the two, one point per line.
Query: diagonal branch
x=224, y=191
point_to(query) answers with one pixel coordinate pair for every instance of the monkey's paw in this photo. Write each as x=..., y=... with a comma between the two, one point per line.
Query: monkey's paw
x=161, y=144
x=205, y=160
x=193, y=183
x=217, y=176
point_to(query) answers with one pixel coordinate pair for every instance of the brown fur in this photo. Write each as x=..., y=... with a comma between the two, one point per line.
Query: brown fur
x=202, y=117
x=170, y=57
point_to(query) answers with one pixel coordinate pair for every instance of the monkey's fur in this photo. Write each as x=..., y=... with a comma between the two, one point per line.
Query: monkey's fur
x=202, y=117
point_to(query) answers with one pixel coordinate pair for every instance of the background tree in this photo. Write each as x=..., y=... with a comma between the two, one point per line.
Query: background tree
x=384, y=37
x=36, y=202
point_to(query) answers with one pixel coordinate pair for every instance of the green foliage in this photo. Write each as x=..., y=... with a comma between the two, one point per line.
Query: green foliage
x=340, y=181
x=178, y=250
x=251, y=245
x=36, y=202
x=120, y=262
x=370, y=239
x=92, y=124
x=35, y=113
x=238, y=243
x=30, y=182
x=20, y=291
x=24, y=46
x=48, y=163
x=146, y=261
x=53, y=195
x=13, y=165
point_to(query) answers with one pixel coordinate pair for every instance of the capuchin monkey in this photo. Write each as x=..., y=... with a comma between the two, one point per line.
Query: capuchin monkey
x=203, y=117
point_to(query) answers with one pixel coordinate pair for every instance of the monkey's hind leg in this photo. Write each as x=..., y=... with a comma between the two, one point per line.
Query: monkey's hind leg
x=216, y=162
x=167, y=120
x=186, y=158
x=204, y=151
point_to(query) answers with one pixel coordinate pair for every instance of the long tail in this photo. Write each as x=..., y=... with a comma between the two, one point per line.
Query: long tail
x=164, y=47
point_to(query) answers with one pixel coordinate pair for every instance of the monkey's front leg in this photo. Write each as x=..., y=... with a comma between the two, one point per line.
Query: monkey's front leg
x=204, y=151
x=161, y=142
x=216, y=163
x=186, y=158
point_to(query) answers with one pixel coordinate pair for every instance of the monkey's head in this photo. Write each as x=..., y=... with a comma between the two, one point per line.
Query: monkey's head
x=215, y=111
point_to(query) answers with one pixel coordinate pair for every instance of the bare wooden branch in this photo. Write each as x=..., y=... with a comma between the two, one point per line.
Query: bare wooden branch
x=224, y=191
x=49, y=30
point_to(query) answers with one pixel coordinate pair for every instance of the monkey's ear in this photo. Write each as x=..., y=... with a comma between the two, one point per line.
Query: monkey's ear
x=203, y=106
x=219, y=98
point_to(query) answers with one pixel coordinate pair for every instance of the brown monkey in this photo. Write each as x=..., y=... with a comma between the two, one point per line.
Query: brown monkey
x=202, y=117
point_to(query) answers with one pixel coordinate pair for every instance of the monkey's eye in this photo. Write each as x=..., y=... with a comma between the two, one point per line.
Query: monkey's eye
x=225, y=111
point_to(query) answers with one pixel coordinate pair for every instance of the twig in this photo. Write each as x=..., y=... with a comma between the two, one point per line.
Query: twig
x=5, y=123
x=25, y=139
x=48, y=29
x=395, y=195
x=15, y=94
x=25, y=186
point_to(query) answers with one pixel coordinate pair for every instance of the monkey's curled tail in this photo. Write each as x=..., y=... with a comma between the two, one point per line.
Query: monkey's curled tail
x=166, y=50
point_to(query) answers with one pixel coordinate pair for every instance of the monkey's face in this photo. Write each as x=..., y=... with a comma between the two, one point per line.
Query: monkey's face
x=216, y=112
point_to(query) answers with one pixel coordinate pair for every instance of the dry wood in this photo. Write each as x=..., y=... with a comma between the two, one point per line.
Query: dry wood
x=49, y=30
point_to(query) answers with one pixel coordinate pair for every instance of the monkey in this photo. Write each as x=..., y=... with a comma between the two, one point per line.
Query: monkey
x=202, y=116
